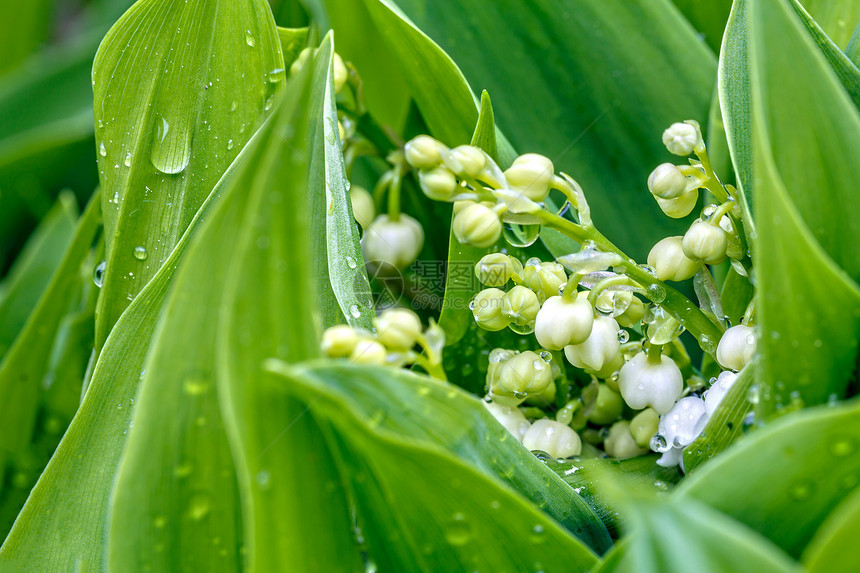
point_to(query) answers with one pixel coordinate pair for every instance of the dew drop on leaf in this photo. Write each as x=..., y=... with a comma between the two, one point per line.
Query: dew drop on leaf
x=99, y=274
x=127, y=161
x=249, y=38
x=140, y=253
x=171, y=147
x=458, y=532
x=103, y=150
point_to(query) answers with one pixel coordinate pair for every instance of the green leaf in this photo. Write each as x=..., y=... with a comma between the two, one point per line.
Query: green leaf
x=34, y=267
x=687, y=536
x=420, y=452
x=292, y=503
x=25, y=365
x=832, y=548
x=179, y=89
x=836, y=17
x=708, y=17
x=795, y=471
x=31, y=27
x=555, y=94
x=725, y=426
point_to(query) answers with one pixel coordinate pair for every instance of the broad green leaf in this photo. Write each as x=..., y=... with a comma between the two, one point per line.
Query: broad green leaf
x=32, y=271
x=708, y=17
x=641, y=472
x=726, y=424
x=555, y=94
x=784, y=479
x=832, y=550
x=25, y=364
x=736, y=295
x=431, y=467
x=805, y=206
x=685, y=535
x=294, y=510
x=837, y=18
x=179, y=89
x=30, y=26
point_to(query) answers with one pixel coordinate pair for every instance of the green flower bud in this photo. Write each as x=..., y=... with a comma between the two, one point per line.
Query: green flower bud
x=509, y=417
x=397, y=328
x=339, y=341
x=668, y=259
x=522, y=375
x=494, y=270
x=340, y=73
x=363, y=208
x=470, y=158
x=301, y=59
x=705, y=242
x=619, y=442
x=543, y=399
x=736, y=347
x=682, y=139
x=556, y=439
x=605, y=405
x=625, y=308
x=531, y=174
x=368, y=352
x=544, y=278
x=520, y=305
x=477, y=225
x=644, y=383
x=600, y=348
x=680, y=206
x=487, y=309
x=423, y=152
x=396, y=243
x=667, y=182
x=643, y=426
x=561, y=322
x=438, y=183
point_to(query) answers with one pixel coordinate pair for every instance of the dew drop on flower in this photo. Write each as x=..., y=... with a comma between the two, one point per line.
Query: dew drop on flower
x=623, y=336
x=659, y=444
x=546, y=356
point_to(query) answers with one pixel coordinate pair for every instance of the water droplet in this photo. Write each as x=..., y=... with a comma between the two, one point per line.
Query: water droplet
x=659, y=443
x=355, y=311
x=264, y=479
x=171, y=147
x=103, y=150
x=196, y=386
x=230, y=145
x=537, y=534
x=199, y=506
x=623, y=336
x=546, y=356
x=249, y=38
x=842, y=447
x=99, y=274
x=521, y=235
x=753, y=394
x=800, y=491
x=276, y=75
x=523, y=329
x=350, y=262
x=649, y=269
x=656, y=292
x=234, y=106
x=140, y=253
x=458, y=532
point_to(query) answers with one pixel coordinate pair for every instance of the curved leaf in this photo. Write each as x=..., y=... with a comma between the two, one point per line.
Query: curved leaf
x=179, y=89
x=832, y=550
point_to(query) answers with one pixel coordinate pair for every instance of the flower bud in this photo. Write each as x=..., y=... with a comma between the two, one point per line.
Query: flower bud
x=625, y=308
x=554, y=438
x=363, y=208
x=619, y=443
x=681, y=425
x=599, y=349
x=477, y=225
x=368, y=352
x=544, y=278
x=340, y=73
x=736, y=347
x=494, y=270
x=668, y=259
x=398, y=328
x=522, y=375
x=470, y=158
x=644, y=383
x=300, y=60
x=605, y=406
x=531, y=174
x=715, y=394
x=734, y=249
x=521, y=306
x=705, y=242
x=339, y=341
x=423, y=152
x=543, y=399
x=560, y=322
x=681, y=139
x=667, y=182
x=643, y=426
x=487, y=309
x=438, y=183
x=394, y=242
x=680, y=206
x=509, y=417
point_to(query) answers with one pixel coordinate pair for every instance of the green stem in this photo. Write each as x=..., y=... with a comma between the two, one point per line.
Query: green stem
x=713, y=182
x=678, y=305
x=655, y=353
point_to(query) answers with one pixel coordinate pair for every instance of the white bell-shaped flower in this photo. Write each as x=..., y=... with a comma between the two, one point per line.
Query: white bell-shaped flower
x=363, y=208
x=511, y=418
x=437, y=183
x=554, y=438
x=680, y=206
x=396, y=243
x=368, y=352
x=718, y=390
x=668, y=259
x=339, y=341
x=667, y=181
x=398, y=328
x=736, y=347
x=424, y=152
x=681, y=425
x=522, y=375
x=645, y=383
x=619, y=443
x=705, y=242
x=561, y=322
x=531, y=174
x=600, y=348
x=477, y=225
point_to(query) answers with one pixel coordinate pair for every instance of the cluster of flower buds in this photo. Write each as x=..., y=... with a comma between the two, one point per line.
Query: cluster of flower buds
x=396, y=332
x=483, y=194
x=676, y=187
x=341, y=74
